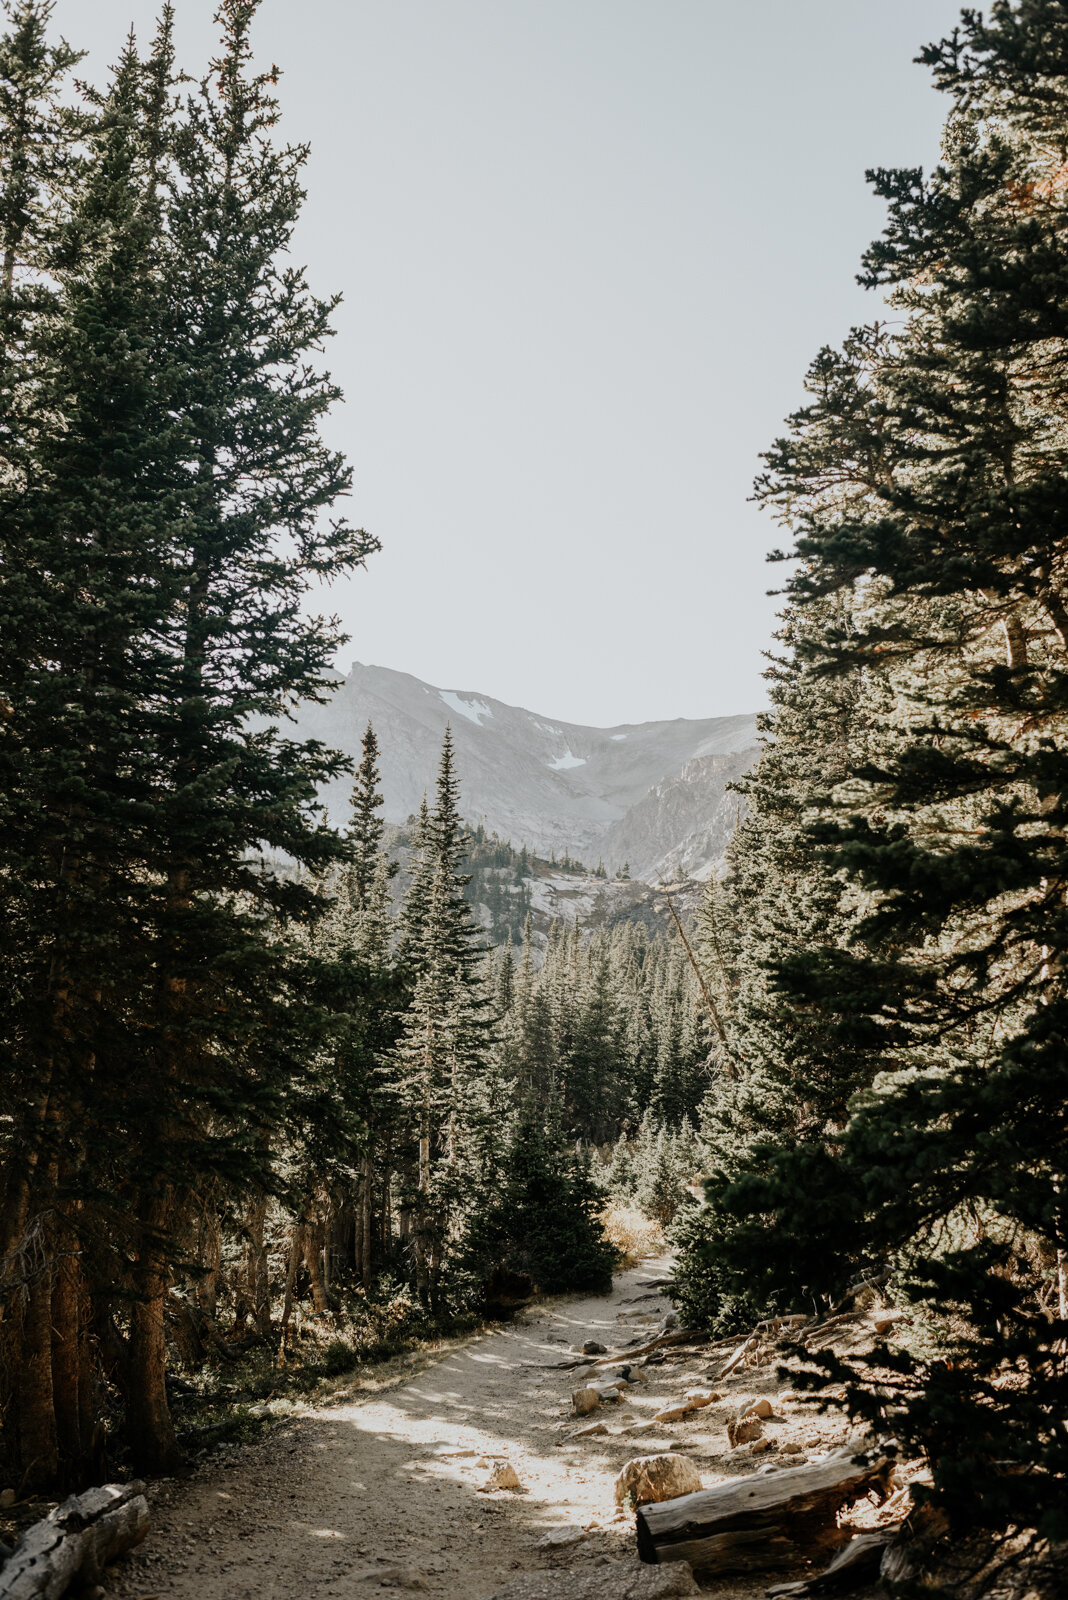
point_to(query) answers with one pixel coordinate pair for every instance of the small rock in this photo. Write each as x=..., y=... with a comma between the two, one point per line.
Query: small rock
x=589, y=1430
x=503, y=1476
x=673, y=1414
x=638, y=1427
x=884, y=1323
x=758, y=1447
x=561, y=1538
x=607, y=1391
x=585, y=1400
x=592, y=1348
x=791, y=1448
x=7, y=1498
x=762, y=1408
x=649, y=1478
x=744, y=1429
x=699, y=1398
x=633, y=1373
x=786, y=1396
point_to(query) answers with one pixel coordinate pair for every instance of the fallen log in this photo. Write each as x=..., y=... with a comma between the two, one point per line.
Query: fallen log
x=75, y=1542
x=857, y=1562
x=763, y=1522
x=686, y=1336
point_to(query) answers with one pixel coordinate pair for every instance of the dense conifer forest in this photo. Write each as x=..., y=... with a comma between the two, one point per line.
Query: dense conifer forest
x=249, y=1080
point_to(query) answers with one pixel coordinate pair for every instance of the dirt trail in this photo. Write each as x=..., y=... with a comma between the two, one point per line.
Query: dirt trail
x=385, y=1491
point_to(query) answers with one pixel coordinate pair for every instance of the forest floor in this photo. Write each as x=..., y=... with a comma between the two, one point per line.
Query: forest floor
x=384, y=1487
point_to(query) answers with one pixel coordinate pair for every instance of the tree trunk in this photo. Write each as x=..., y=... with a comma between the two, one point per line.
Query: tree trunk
x=313, y=1252
x=38, y=1444
x=366, y=1219
x=258, y=1281
x=148, y=1417
x=207, y=1285
x=69, y=1351
x=296, y=1251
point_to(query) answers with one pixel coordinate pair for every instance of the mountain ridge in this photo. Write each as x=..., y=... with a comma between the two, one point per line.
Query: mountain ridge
x=651, y=794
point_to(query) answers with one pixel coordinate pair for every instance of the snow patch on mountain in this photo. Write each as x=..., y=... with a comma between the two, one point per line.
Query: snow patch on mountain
x=566, y=761
x=474, y=710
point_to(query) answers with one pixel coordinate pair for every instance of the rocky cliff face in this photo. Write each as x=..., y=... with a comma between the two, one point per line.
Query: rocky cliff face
x=682, y=826
x=650, y=793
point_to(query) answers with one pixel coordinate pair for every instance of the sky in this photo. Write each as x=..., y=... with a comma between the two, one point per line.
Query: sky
x=587, y=249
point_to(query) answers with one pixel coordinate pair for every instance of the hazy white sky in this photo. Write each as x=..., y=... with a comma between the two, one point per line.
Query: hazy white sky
x=587, y=249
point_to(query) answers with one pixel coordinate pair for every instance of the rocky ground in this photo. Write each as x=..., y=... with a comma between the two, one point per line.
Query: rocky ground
x=391, y=1486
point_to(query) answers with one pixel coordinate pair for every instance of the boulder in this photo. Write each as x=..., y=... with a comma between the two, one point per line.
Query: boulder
x=654, y=1478
x=743, y=1430
x=584, y=1401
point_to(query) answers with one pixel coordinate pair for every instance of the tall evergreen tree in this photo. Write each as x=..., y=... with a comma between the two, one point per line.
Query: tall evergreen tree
x=366, y=826
x=939, y=499
x=439, y=1066
x=159, y=548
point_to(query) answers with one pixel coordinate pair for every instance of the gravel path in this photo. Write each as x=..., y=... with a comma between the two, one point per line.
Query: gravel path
x=387, y=1490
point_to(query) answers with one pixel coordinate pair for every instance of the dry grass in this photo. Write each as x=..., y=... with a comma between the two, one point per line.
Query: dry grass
x=634, y=1235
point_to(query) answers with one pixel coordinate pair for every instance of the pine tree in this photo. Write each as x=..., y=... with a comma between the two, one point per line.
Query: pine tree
x=544, y=1222
x=438, y=1070
x=366, y=828
x=939, y=498
x=86, y=523
x=171, y=530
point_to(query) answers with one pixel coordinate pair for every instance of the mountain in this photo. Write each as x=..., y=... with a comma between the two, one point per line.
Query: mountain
x=647, y=793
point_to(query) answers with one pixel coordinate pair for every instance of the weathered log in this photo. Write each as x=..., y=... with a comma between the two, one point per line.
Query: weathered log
x=684, y=1336
x=760, y=1522
x=75, y=1541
